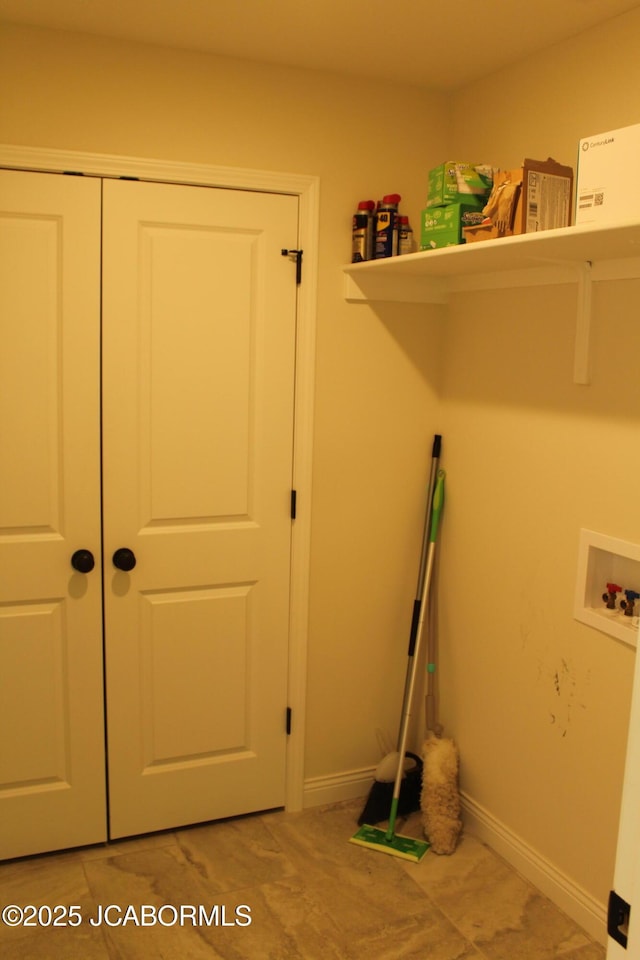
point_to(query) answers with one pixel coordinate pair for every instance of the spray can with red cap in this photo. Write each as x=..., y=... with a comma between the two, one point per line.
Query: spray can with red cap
x=386, y=228
x=362, y=232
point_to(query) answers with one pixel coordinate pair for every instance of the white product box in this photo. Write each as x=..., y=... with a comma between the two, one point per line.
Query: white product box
x=608, y=187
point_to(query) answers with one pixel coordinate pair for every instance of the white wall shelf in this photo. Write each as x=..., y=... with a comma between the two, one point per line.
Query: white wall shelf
x=580, y=254
x=603, y=560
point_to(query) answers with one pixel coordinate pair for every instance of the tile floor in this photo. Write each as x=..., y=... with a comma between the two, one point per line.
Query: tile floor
x=308, y=893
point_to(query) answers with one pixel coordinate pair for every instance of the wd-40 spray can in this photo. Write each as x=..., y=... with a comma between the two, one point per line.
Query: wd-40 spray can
x=386, y=232
x=405, y=236
x=362, y=232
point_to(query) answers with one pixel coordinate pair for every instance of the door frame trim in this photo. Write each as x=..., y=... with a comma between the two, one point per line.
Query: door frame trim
x=306, y=188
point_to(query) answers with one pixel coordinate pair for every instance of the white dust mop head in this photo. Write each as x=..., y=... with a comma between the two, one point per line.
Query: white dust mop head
x=440, y=800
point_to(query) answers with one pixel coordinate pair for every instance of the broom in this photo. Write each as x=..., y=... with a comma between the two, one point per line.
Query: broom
x=388, y=841
x=377, y=804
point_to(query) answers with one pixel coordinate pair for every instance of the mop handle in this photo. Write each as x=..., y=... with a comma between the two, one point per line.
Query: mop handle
x=417, y=603
x=436, y=510
x=430, y=703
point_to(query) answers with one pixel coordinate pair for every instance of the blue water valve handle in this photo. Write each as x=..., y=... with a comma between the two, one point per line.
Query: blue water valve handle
x=628, y=604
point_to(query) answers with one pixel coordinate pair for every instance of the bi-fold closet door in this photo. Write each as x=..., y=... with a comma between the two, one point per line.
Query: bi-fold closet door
x=146, y=443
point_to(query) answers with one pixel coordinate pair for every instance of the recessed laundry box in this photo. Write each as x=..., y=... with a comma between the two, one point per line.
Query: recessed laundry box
x=607, y=593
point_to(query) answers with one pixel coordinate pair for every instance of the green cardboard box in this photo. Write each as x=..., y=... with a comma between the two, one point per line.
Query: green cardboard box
x=442, y=226
x=456, y=180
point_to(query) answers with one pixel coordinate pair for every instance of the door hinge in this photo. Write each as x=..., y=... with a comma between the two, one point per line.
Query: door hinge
x=294, y=503
x=288, y=722
x=618, y=919
x=298, y=258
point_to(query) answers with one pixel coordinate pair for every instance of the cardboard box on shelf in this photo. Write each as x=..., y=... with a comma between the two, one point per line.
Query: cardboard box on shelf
x=536, y=196
x=457, y=180
x=442, y=226
x=607, y=186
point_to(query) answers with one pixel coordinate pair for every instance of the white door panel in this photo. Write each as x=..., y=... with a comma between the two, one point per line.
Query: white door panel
x=52, y=784
x=199, y=334
x=199, y=338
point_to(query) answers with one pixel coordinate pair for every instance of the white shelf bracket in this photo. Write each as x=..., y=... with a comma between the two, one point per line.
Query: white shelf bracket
x=582, y=356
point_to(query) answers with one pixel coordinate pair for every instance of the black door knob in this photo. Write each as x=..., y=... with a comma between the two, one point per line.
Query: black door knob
x=124, y=559
x=82, y=561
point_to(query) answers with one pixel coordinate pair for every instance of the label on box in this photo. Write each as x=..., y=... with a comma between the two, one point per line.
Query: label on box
x=548, y=201
x=588, y=198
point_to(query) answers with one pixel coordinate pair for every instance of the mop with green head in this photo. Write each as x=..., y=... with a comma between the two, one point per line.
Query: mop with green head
x=376, y=838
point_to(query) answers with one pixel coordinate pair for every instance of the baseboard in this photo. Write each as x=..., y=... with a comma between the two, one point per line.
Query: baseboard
x=348, y=785
x=588, y=912
x=584, y=909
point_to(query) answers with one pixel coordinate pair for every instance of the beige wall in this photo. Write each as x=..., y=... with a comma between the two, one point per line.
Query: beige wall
x=538, y=702
x=546, y=103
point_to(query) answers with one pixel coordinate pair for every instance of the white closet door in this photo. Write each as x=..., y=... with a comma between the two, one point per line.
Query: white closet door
x=52, y=783
x=198, y=353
